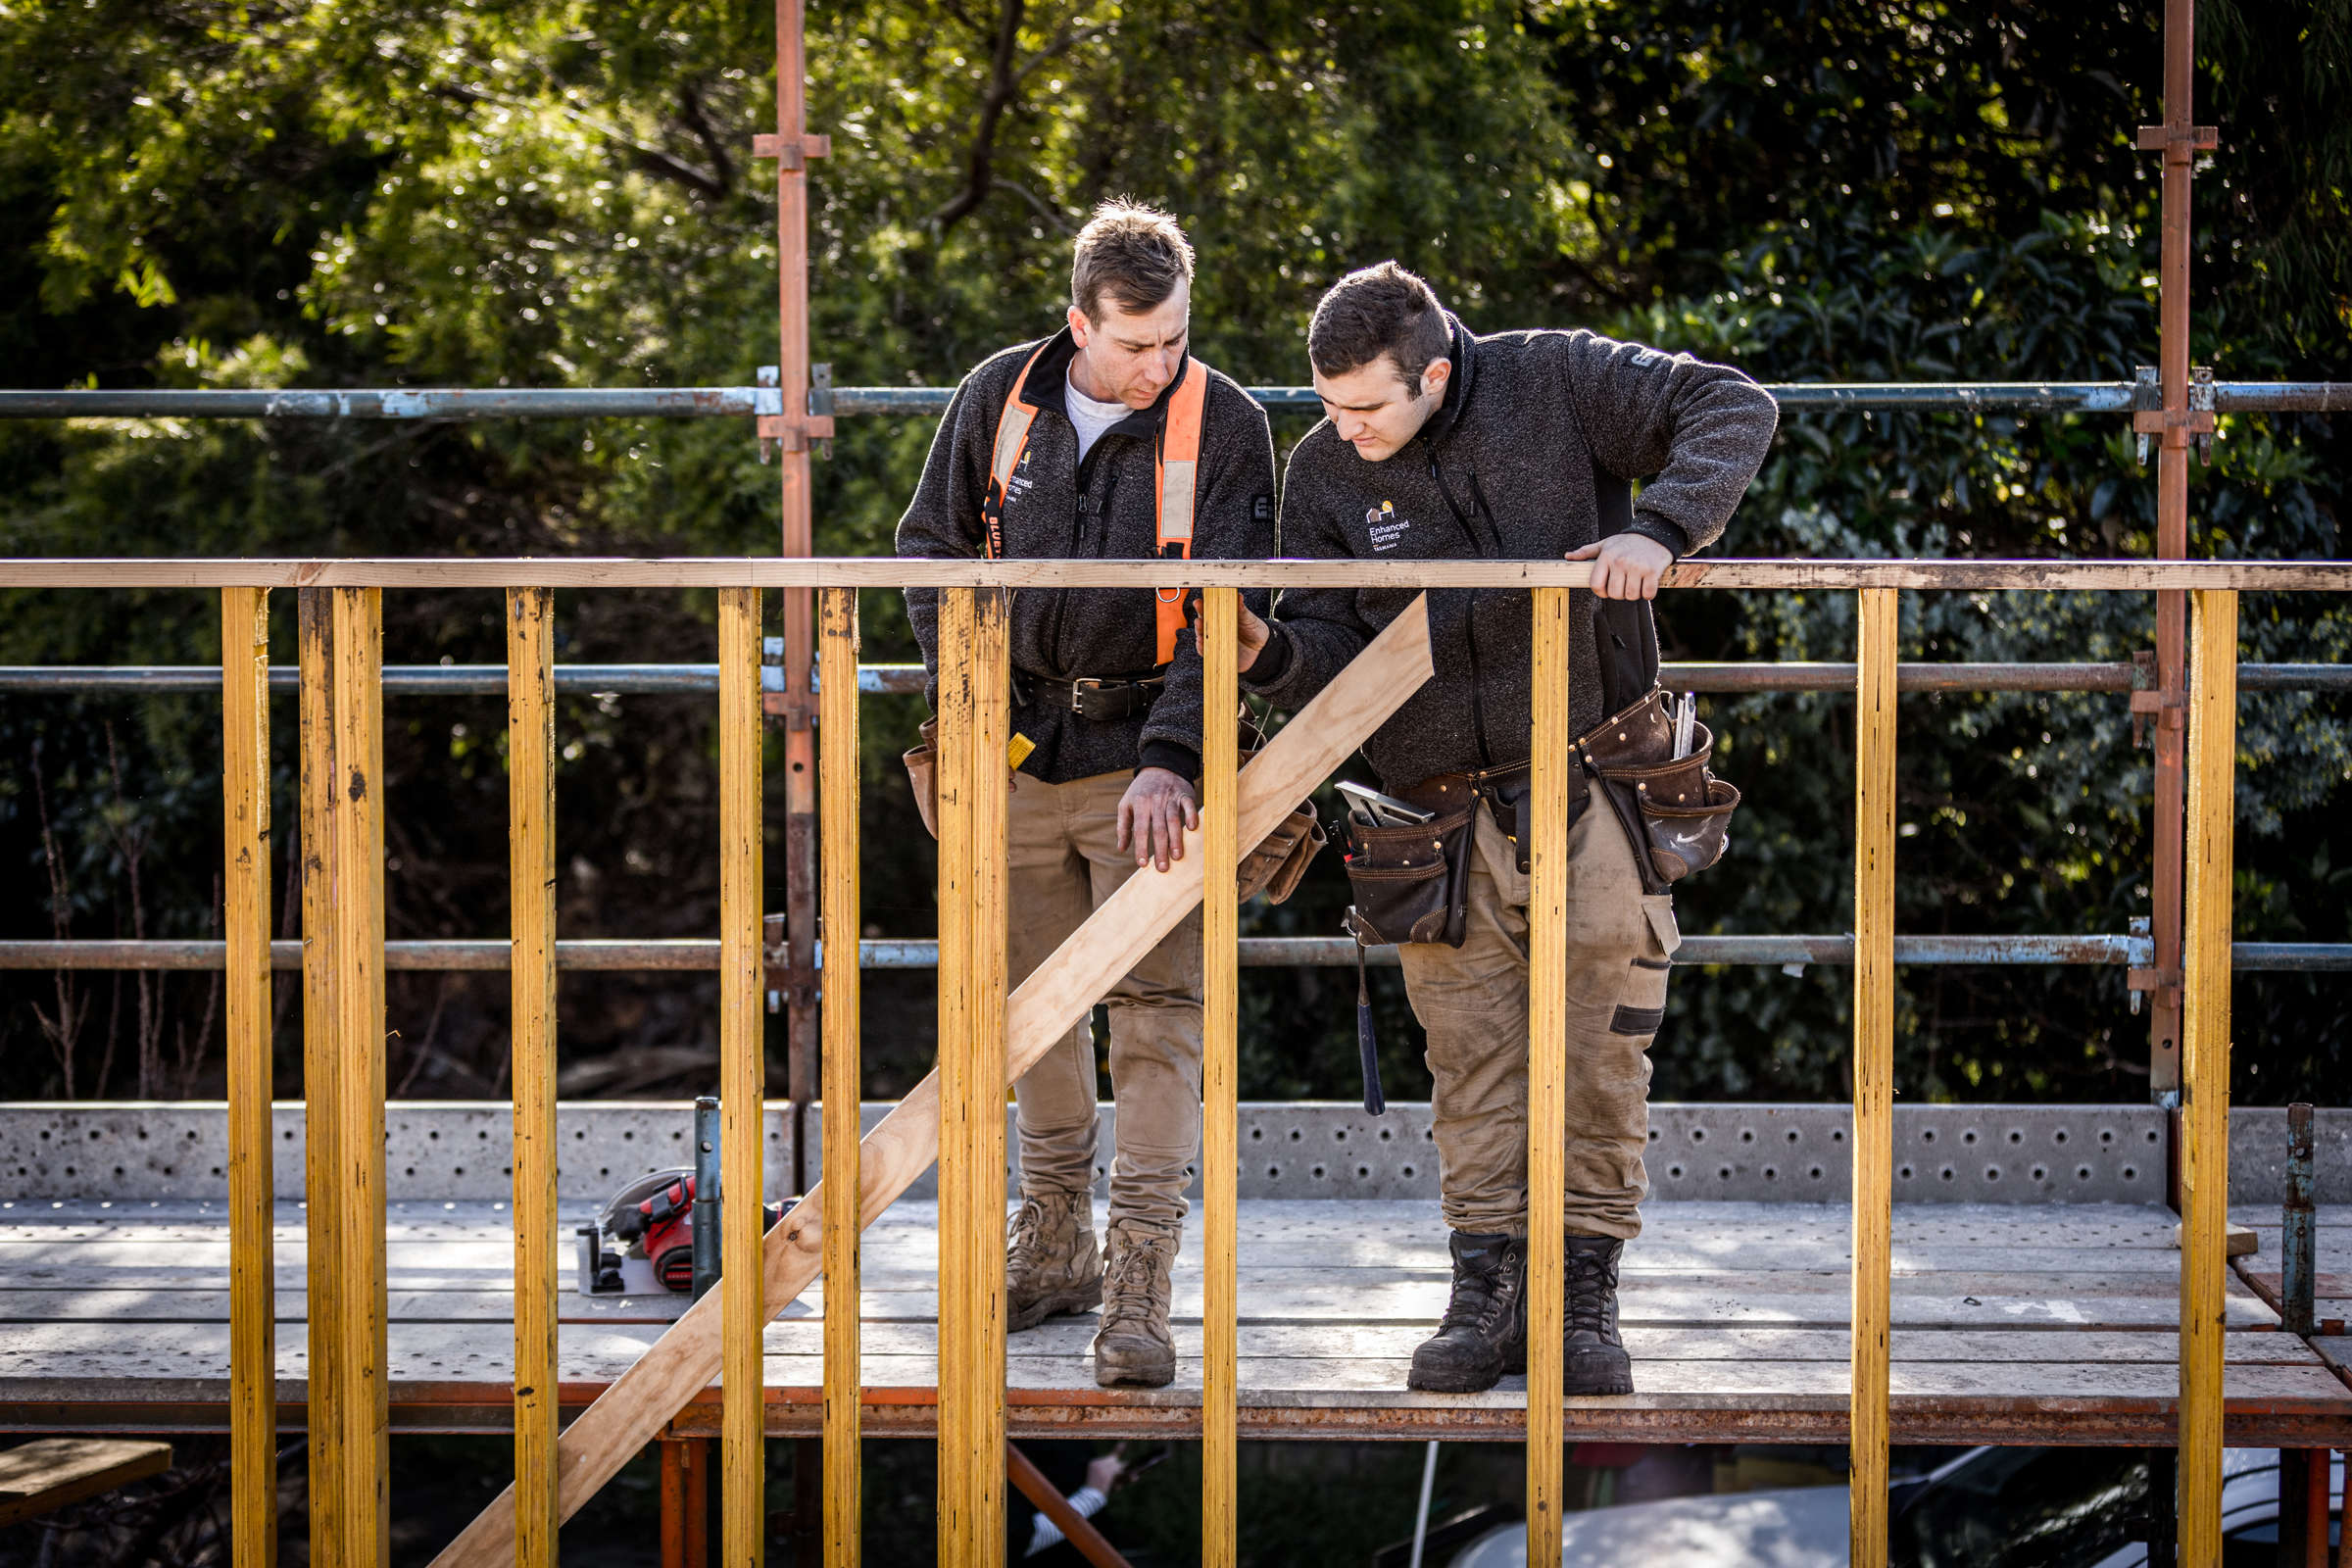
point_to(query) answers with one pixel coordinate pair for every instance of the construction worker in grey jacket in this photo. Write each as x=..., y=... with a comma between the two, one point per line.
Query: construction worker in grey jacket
x=1106, y=440
x=1438, y=444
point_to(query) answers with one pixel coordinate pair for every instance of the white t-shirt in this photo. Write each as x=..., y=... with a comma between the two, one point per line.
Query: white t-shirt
x=1090, y=418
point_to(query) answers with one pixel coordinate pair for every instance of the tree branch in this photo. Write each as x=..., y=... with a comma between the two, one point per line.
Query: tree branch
x=1003, y=83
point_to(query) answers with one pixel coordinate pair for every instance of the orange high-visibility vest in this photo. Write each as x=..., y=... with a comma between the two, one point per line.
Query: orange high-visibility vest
x=1176, y=467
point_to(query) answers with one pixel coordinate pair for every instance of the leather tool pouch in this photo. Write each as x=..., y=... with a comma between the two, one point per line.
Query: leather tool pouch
x=922, y=775
x=1411, y=884
x=1676, y=814
x=1276, y=865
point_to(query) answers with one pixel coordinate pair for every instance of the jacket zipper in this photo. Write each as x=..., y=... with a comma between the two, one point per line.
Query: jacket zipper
x=1477, y=706
x=1078, y=531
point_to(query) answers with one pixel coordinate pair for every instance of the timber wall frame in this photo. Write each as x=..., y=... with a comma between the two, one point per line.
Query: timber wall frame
x=344, y=961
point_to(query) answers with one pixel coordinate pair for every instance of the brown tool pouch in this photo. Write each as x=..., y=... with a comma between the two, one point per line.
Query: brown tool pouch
x=1411, y=884
x=1276, y=865
x=922, y=775
x=1676, y=814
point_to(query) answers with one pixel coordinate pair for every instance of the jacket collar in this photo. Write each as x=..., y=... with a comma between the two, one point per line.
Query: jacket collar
x=1463, y=350
x=1050, y=379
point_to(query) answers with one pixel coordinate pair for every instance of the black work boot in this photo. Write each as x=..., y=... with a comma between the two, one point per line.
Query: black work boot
x=1484, y=1332
x=1595, y=1359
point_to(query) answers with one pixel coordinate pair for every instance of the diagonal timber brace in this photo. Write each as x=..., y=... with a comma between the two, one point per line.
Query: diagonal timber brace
x=683, y=1362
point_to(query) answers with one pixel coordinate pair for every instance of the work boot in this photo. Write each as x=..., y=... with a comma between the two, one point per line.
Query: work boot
x=1051, y=1264
x=1484, y=1332
x=1594, y=1359
x=1134, y=1346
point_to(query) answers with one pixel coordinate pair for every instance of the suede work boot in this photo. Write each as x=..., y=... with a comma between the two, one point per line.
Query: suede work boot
x=1051, y=1264
x=1484, y=1332
x=1134, y=1346
x=1595, y=1359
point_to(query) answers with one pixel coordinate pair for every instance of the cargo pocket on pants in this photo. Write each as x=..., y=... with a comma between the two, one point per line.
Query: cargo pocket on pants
x=1642, y=1007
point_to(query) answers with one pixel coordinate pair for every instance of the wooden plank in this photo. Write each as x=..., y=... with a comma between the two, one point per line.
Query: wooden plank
x=742, y=1054
x=974, y=723
x=1872, y=1312
x=438, y=1362
x=248, y=1020
x=1220, y=1102
x=1546, y=1073
x=906, y=1141
x=839, y=760
x=531, y=970
x=322, y=1079
x=889, y=572
x=356, y=1403
x=182, y=1350
x=2205, y=1065
x=50, y=1473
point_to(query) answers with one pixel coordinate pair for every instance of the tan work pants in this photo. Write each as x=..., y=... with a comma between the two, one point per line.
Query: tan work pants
x=1063, y=860
x=1472, y=1003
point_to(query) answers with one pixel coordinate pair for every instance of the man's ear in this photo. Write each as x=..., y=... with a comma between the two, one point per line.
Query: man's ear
x=1435, y=376
x=1080, y=327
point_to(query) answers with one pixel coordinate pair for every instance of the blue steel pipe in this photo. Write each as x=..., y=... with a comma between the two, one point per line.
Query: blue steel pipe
x=490, y=680
x=574, y=403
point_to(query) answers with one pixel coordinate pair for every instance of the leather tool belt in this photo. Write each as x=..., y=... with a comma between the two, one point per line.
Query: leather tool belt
x=1099, y=699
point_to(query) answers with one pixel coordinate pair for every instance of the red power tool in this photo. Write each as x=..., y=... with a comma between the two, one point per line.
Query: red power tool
x=651, y=1218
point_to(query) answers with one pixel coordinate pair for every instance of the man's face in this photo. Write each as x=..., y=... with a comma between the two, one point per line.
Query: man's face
x=1131, y=356
x=1374, y=411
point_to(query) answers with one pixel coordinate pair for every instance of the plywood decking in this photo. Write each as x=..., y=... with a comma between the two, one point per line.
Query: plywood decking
x=2018, y=1323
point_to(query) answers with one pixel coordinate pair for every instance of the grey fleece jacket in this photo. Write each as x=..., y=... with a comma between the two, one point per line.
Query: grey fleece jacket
x=1503, y=470
x=1106, y=510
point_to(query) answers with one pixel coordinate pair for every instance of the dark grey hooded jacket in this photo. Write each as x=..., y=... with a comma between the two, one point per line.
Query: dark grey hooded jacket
x=1107, y=510
x=1505, y=469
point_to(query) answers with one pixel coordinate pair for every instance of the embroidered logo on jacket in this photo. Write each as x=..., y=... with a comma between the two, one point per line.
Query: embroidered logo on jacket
x=1385, y=527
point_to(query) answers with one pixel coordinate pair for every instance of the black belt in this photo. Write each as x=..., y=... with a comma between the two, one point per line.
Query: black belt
x=1096, y=697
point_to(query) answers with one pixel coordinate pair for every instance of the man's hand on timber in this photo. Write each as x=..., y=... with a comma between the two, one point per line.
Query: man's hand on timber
x=1625, y=565
x=1251, y=634
x=1154, y=815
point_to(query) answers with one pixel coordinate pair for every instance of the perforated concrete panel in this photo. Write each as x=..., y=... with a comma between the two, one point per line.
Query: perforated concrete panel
x=1942, y=1153
x=2258, y=1155
x=1791, y=1153
x=432, y=1149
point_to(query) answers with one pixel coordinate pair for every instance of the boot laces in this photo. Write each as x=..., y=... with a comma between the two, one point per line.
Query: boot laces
x=1478, y=1297
x=1128, y=1281
x=1028, y=1241
x=1588, y=1288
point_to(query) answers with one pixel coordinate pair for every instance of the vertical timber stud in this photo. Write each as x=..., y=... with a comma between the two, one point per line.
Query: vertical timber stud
x=2205, y=1067
x=360, y=1407
x=252, y=1283
x=1546, y=1072
x=319, y=1079
x=837, y=688
x=1874, y=1072
x=1220, y=1154
x=741, y=1051
x=973, y=724
x=531, y=895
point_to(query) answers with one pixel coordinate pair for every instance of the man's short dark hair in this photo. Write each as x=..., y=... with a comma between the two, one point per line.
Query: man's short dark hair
x=1375, y=311
x=1133, y=253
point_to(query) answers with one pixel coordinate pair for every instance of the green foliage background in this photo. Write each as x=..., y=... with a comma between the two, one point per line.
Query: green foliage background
x=542, y=192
